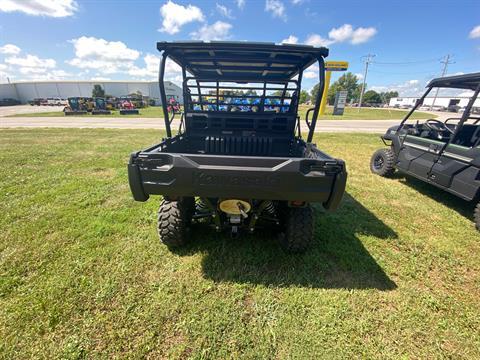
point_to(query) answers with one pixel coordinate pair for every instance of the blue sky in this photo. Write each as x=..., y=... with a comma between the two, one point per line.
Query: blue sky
x=67, y=39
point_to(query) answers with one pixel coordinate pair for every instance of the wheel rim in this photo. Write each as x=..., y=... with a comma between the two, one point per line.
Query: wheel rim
x=378, y=162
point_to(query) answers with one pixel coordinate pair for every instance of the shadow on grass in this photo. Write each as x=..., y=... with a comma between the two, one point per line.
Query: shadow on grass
x=461, y=206
x=337, y=258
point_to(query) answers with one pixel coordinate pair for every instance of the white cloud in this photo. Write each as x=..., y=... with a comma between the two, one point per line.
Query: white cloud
x=310, y=75
x=53, y=8
x=9, y=49
x=47, y=75
x=99, y=54
x=240, y=4
x=150, y=71
x=224, y=11
x=359, y=76
x=60, y=74
x=290, y=40
x=107, y=67
x=91, y=47
x=344, y=33
x=408, y=88
x=31, y=67
x=475, y=33
x=381, y=88
x=31, y=61
x=109, y=57
x=296, y=2
x=3, y=76
x=175, y=16
x=152, y=63
x=218, y=31
x=467, y=93
x=362, y=35
x=276, y=8
x=317, y=40
x=100, y=78
x=341, y=34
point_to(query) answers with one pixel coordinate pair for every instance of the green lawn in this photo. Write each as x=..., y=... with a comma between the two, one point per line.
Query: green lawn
x=367, y=114
x=350, y=113
x=394, y=273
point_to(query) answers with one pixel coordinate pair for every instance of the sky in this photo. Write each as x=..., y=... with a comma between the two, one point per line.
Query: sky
x=115, y=40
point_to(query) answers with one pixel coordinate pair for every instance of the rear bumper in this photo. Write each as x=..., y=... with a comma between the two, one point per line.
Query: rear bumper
x=263, y=178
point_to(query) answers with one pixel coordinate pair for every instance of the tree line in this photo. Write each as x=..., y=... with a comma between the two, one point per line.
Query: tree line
x=351, y=84
x=348, y=82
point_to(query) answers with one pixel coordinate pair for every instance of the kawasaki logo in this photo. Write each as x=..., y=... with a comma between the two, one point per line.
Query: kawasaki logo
x=201, y=178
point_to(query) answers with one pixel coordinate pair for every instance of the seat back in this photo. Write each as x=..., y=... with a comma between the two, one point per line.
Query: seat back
x=467, y=136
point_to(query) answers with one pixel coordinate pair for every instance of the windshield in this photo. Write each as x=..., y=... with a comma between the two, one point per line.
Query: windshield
x=442, y=103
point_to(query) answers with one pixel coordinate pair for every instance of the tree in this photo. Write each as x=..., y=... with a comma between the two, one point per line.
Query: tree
x=348, y=82
x=386, y=96
x=98, y=91
x=314, y=92
x=251, y=92
x=372, y=97
x=280, y=93
x=304, y=97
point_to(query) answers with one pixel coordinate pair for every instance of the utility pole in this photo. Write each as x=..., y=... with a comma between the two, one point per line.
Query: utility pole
x=368, y=60
x=445, y=63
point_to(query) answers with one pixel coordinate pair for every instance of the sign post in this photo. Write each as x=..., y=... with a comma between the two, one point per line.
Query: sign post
x=329, y=67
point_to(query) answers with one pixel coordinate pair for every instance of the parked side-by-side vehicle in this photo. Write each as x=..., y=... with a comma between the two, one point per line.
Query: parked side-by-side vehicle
x=445, y=154
x=239, y=160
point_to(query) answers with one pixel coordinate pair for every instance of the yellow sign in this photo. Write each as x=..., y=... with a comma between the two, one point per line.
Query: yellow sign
x=336, y=65
x=329, y=67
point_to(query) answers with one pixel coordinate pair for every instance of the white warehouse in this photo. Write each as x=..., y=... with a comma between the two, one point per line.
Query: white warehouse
x=441, y=101
x=26, y=91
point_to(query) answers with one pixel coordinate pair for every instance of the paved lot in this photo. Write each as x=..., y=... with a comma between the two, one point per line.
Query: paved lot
x=27, y=109
x=369, y=126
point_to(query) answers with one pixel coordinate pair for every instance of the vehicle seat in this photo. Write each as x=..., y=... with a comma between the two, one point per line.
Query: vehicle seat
x=467, y=136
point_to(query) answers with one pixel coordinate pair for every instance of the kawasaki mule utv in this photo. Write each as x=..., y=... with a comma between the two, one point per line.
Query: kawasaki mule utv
x=442, y=153
x=239, y=161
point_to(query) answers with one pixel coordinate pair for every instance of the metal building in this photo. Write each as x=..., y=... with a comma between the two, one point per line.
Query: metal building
x=26, y=91
x=440, y=101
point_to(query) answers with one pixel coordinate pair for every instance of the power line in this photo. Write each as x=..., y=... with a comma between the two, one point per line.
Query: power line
x=445, y=63
x=393, y=72
x=406, y=62
x=368, y=59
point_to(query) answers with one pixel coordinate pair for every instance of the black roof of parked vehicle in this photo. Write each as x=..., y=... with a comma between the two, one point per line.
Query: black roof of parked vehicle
x=219, y=60
x=466, y=81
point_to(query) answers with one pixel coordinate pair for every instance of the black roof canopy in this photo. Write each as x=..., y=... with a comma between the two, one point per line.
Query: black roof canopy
x=466, y=81
x=224, y=61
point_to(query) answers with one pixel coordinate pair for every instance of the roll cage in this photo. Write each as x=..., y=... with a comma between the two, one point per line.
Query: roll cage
x=466, y=82
x=230, y=86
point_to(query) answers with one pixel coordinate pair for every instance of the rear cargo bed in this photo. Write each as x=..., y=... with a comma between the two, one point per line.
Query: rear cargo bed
x=318, y=178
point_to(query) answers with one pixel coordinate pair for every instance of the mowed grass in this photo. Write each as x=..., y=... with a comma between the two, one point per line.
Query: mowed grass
x=350, y=114
x=365, y=114
x=394, y=273
x=148, y=112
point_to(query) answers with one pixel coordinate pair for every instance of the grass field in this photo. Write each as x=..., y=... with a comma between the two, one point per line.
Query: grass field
x=350, y=114
x=394, y=273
